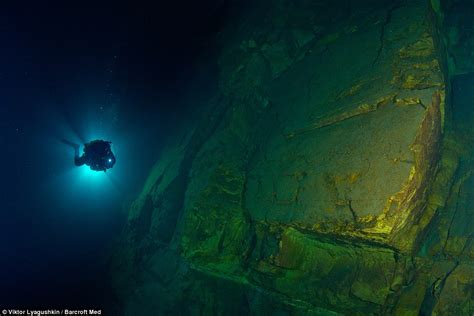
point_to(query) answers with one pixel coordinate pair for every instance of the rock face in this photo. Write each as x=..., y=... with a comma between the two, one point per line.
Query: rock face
x=321, y=178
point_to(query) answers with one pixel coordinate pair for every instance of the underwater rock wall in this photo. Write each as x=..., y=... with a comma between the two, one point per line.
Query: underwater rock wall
x=319, y=179
x=455, y=20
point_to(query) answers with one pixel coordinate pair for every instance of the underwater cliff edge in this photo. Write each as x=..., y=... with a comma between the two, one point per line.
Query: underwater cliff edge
x=330, y=172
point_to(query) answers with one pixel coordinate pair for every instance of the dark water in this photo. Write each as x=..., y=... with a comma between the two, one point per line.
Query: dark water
x=83, y=72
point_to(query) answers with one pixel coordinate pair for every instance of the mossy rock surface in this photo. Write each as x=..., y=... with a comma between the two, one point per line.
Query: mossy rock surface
x=326, y=175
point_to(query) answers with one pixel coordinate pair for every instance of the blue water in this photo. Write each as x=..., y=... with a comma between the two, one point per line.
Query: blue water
x=111, y=72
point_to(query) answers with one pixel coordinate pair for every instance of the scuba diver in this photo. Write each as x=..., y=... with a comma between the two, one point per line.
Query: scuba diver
x=97, y=154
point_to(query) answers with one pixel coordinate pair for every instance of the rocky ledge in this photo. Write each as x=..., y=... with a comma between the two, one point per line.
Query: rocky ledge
x=323, y=177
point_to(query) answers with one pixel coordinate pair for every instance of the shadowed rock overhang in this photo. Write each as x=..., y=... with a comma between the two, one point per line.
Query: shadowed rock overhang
x=314, y=176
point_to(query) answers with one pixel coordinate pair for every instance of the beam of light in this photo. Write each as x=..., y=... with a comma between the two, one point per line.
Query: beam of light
x=79, y=191
x=69, y=186
x=80, y=186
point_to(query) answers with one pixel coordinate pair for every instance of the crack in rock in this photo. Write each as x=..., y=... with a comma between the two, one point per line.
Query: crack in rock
x=388, y=19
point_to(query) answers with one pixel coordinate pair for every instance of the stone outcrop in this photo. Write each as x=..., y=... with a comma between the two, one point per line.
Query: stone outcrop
x=322, y=178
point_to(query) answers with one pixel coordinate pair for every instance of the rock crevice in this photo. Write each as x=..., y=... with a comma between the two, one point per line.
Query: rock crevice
x=324, y=178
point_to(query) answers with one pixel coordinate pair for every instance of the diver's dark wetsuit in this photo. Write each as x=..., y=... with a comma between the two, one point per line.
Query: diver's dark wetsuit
x=97, y=155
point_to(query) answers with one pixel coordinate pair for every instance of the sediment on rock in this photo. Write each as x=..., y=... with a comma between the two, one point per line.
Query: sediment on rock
x=322, y=181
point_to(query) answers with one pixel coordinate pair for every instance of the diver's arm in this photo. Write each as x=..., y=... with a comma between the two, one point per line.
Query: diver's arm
x=79, y=161
x=73, y=145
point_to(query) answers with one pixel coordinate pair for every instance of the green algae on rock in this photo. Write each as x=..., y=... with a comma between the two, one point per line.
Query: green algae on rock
x=324, y=181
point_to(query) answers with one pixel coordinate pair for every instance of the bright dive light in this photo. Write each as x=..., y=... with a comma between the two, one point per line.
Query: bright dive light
x=110, y=160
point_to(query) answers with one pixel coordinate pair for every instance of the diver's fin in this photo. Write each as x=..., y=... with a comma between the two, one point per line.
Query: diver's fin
x=65, y=141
